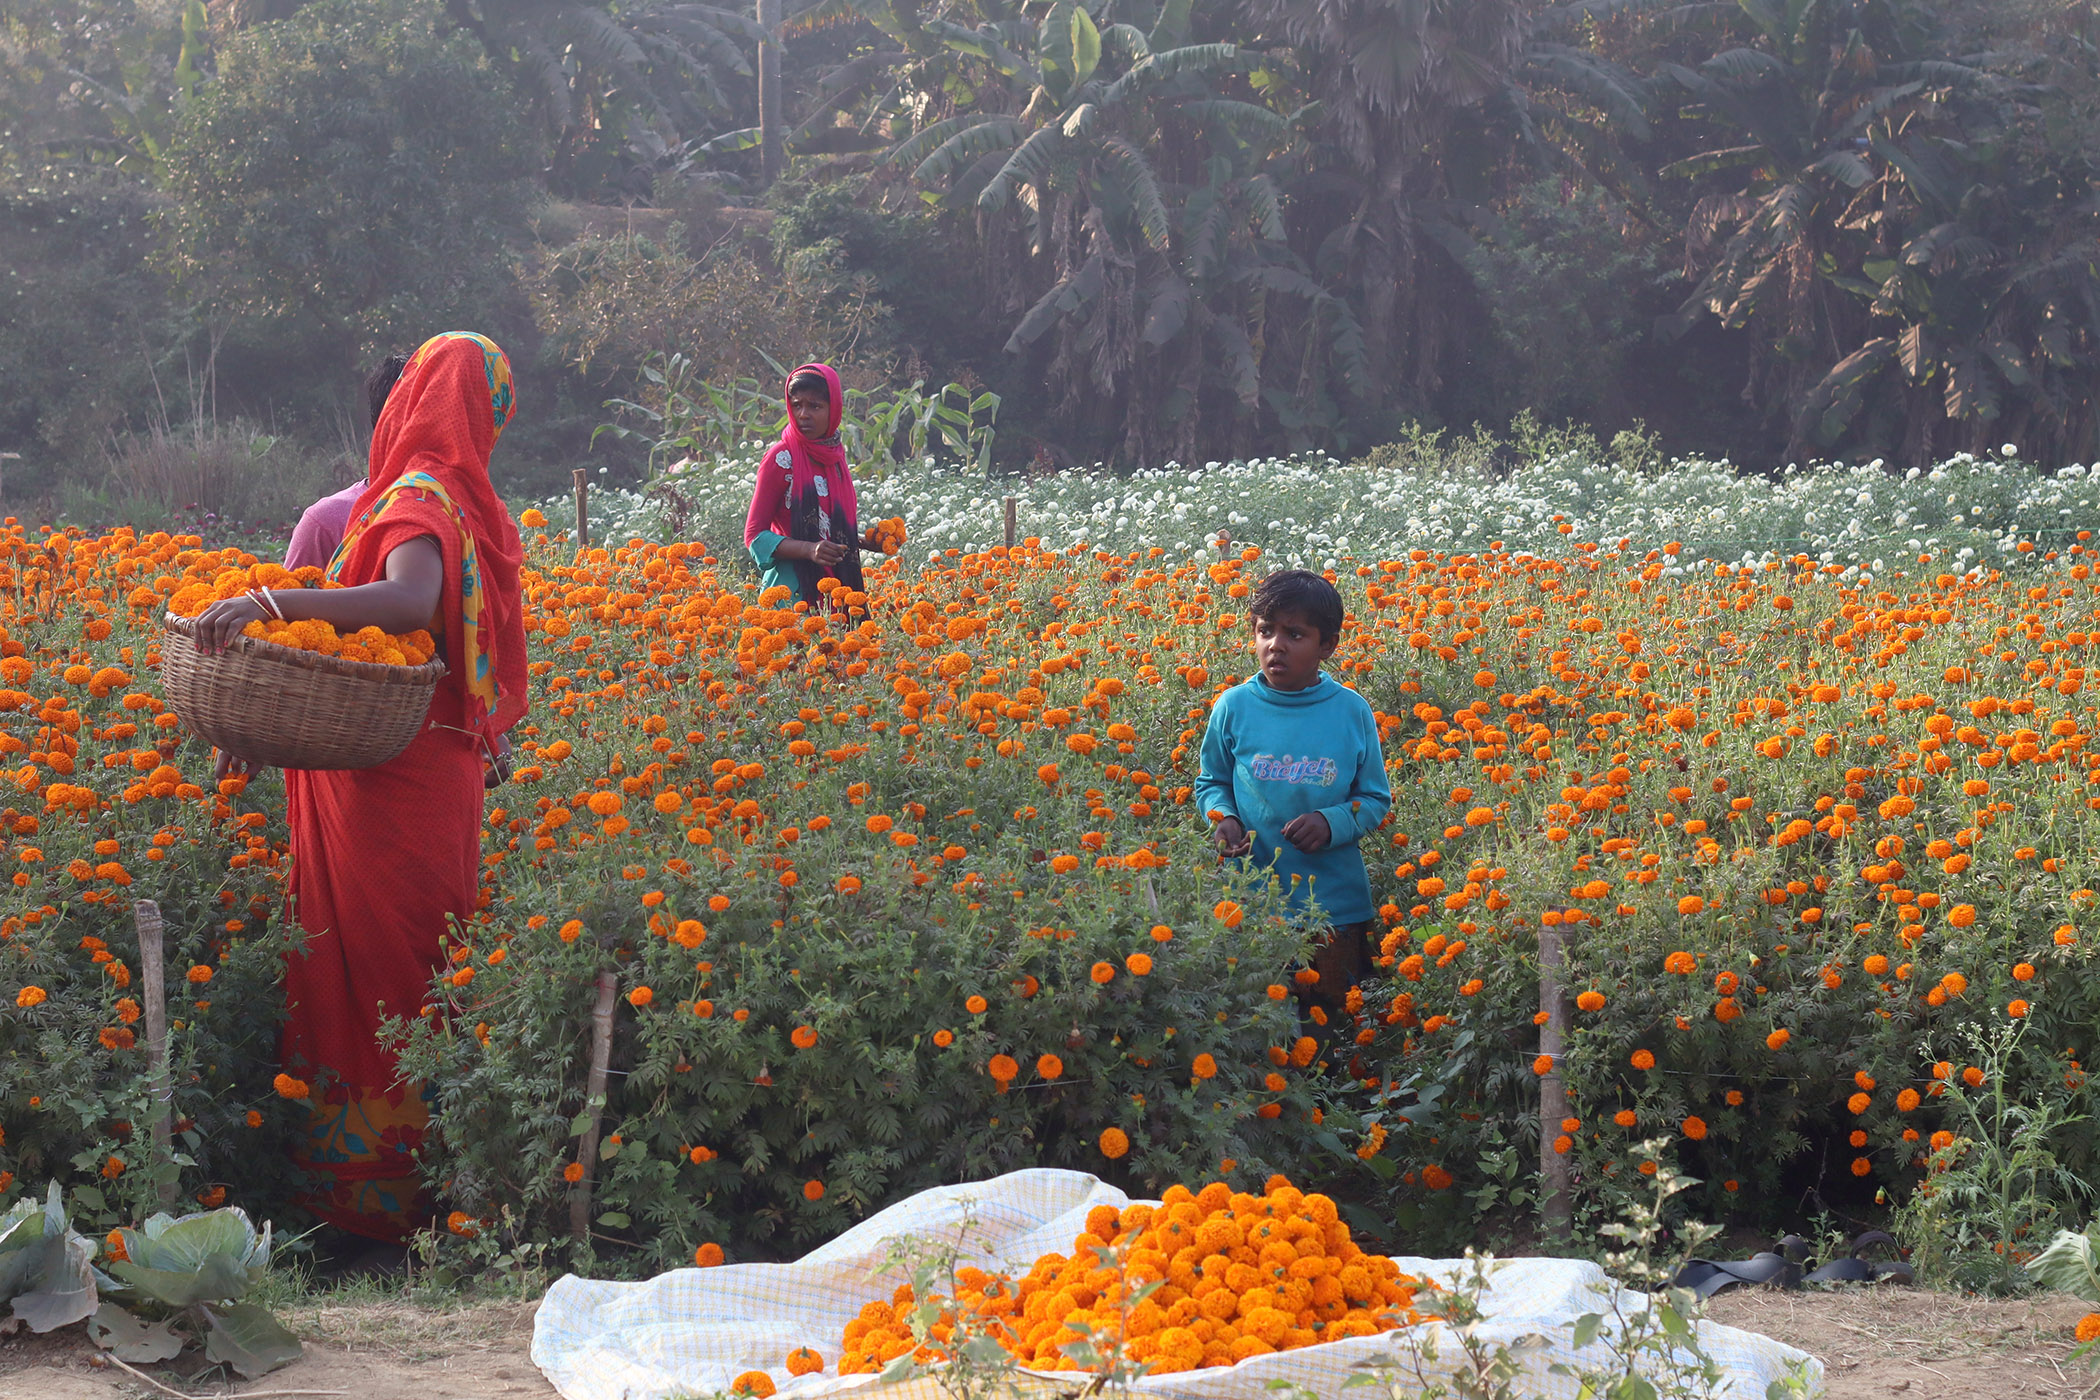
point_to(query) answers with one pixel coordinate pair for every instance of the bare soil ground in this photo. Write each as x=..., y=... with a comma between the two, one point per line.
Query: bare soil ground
x=1880, y=1343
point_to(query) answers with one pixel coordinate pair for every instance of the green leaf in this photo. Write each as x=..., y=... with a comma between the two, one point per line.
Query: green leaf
x=615, y=1219
x=2069, y=1265
x=133, y=1339
x=217, y=1279
x=1086, y=46
x=245, y=1337
x=1586, y=1328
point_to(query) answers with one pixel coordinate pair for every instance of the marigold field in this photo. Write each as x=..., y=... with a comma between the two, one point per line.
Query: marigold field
x=921, y=895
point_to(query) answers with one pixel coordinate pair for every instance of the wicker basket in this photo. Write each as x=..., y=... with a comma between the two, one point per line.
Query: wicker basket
x=286, y=708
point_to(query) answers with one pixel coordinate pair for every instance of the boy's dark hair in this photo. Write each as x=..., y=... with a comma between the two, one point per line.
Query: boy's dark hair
x=1299, y=591
x=810, y=379
x=380, y=383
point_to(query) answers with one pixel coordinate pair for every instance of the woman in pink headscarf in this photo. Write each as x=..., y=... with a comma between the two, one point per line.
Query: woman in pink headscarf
x=803, y=526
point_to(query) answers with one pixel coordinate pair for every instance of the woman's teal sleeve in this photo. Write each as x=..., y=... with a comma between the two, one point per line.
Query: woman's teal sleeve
x=762, y=546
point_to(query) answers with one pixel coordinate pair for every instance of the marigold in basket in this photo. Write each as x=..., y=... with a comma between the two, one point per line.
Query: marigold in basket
x=365, y=644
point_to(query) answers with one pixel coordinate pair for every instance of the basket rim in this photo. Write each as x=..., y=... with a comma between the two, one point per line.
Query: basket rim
x=429, y=673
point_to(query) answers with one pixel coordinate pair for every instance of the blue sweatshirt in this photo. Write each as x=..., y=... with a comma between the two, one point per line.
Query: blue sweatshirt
x=1270, y=755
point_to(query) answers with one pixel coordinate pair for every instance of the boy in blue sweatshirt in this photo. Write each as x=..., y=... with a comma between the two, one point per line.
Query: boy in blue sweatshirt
x=1293, y=776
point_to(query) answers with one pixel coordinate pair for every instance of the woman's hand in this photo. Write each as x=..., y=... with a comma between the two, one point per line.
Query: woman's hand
x=1232, y=838
x=225, y=765
x=498, y=772
x=220, y=623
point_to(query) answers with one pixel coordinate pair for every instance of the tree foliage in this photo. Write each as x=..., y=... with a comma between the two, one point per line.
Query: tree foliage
x=353, y=173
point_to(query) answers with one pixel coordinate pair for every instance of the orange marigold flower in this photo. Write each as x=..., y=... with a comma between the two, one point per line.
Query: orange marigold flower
x=812, y=1190
x=975, y=1006
x=572, y=1173
x=1204, y=1067
x=2088, y=1328
x=707, y=1256
x=1962, y=915
x=944, y=1038
x=1625, y=1118
x=199, y=974
x=1003, y=1068
x=1049, y=1066
x=804, y=1361
x=1689, y=905
x=290, y=1088
x=1228, y=913
x=1681, y=963
x=31, y=996
x=1777, y=1039
x=641, y=996
x=803, y=1037
x=1435, y=1177
x=1643, y=1059
x=1139, y=964
x=1694, y=1128
x=1114, y=1143
x=756, y=1384
x=1590, y=1001
x=1103, y=972
x=1861, y=1166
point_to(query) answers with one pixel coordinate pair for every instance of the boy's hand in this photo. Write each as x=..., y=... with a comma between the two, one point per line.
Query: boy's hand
x=1308, y=833
x=1232, y=838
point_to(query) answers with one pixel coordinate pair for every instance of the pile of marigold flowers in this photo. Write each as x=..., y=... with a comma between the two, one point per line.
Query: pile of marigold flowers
x=1205, y=1278
x=306, y=634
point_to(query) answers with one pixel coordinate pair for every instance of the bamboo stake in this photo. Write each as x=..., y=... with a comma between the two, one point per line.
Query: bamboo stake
x=593, y=1104
x=1012, y=507
x=583, y=507
x=1556, y=1195
x=153, y=991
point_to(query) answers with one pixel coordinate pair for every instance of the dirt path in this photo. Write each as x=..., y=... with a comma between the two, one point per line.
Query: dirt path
x=358, y=1351
x=1884, y=1343
x=1877, y=1344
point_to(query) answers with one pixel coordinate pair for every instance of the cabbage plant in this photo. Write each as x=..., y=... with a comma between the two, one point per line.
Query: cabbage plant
x=180, y=1279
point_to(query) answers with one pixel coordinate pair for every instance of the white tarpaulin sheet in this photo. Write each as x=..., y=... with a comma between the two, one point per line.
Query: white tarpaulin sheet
x=691, y=1331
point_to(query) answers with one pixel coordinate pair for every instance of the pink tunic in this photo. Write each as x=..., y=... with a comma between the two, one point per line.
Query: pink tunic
x=320, y=529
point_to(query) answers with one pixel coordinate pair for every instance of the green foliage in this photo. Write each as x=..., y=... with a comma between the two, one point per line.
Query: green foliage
x=44, y=1271
x=717, y=1120
x=1995, y=1185
x=181, y=1279
x=685, y=418
x=354, y=176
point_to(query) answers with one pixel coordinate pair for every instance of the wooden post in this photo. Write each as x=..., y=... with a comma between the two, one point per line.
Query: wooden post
x=1556, y=1197
x=583, y=507
x=1224, y=543
x=1012, y=507
x=593, y=1104
x=153, y=991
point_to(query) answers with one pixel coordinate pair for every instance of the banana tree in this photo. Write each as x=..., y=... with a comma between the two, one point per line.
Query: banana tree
x=1840, y=151
x=1134, y=168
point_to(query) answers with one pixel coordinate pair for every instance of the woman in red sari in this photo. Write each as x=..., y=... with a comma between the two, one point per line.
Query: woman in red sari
x=385, y=860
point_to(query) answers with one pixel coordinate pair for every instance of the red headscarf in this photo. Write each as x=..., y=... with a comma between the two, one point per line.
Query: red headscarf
x=809, y=458
x=439, y=426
